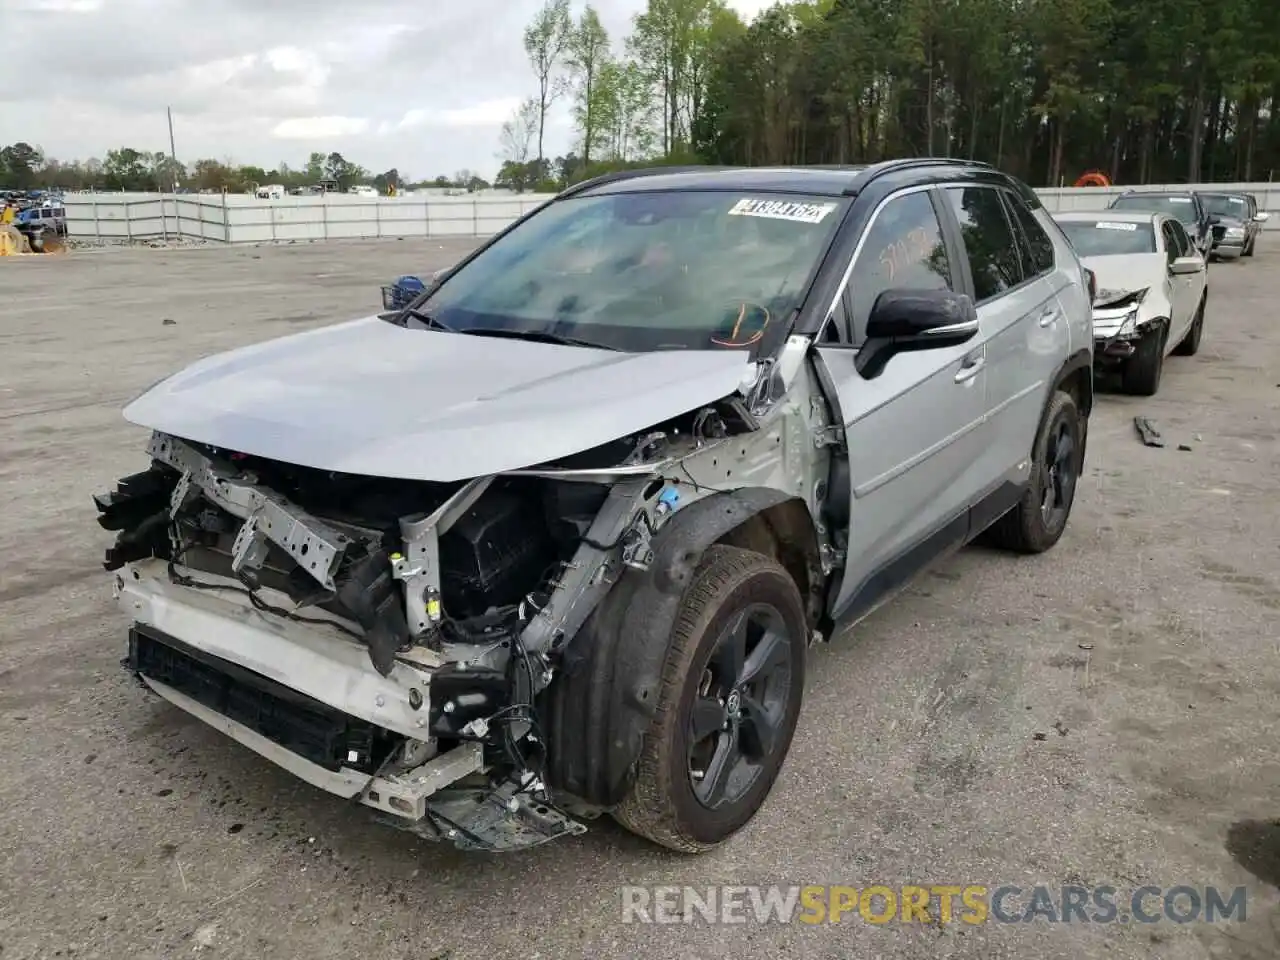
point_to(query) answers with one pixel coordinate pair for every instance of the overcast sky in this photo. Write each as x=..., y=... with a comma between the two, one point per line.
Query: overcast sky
x=423, y=87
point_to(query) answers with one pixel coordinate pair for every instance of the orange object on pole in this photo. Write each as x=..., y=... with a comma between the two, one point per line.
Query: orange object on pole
x=1094, y=179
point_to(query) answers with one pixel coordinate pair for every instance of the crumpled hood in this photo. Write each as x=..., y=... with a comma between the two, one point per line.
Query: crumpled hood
x=368, y=397
x=1121, y=275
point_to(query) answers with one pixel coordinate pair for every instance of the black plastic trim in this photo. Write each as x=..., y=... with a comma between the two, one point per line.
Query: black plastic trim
x=947, y=538
x=303, y=725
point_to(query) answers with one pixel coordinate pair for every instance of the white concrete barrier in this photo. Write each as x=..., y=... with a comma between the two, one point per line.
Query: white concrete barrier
x=243, y=219
x=235, y=218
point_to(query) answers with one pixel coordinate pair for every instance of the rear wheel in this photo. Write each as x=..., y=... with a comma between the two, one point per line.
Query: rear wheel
x=1141, y=376
x=731, y=690
x=1039, y=519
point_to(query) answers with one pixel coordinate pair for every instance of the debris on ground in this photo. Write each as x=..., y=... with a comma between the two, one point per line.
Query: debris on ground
x=1039, y=736
x=1061, y=727
x=1147, y=432
x=155, y=243
x=1186, y=448
x=204, y=937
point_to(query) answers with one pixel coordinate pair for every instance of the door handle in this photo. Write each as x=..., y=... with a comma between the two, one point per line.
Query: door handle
x=970, y=369
x=1049, y=315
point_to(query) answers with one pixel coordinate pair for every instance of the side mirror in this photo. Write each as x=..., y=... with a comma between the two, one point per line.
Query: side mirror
x=1183, y=266
x=928, y=318
x=1215, y=218
x=1262, y=216
x=903, y=320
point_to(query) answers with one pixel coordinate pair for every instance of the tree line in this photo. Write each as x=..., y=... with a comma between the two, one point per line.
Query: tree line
x=24, y=167
x=1145, y=91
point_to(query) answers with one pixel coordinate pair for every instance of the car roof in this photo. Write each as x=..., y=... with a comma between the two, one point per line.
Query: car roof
x=1157, y=193
x=832, y=181
x=1116, y=216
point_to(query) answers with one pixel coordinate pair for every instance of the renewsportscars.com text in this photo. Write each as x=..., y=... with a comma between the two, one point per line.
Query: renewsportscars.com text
x=933, y=903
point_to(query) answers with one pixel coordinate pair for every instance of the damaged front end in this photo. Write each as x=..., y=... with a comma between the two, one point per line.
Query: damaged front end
x=388, y=640
x=1119, y=323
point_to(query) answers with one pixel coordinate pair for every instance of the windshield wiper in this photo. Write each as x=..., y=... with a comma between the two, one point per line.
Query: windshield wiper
x=425, y=318
x=538, y=336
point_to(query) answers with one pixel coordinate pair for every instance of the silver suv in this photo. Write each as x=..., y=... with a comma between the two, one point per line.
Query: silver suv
x=553, y=539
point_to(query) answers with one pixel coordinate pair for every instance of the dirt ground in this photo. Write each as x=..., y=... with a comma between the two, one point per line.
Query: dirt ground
x=1103, y=714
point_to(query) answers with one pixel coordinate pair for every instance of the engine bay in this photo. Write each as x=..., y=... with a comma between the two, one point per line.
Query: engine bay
x=498, y=556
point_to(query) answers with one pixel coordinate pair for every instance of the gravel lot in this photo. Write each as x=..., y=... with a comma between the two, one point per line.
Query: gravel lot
x=1103, y=714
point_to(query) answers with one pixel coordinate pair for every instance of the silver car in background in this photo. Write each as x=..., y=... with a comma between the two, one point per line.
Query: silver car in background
x=1236, y=223
x=1152, y=290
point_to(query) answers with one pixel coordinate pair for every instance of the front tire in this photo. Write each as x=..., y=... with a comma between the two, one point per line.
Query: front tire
x=1040, y=518
x=732, y=685
x=1190, y=344
x=1141, y=376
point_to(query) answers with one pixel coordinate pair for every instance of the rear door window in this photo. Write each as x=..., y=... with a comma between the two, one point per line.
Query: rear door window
x=994, y=260
x=1039, y=247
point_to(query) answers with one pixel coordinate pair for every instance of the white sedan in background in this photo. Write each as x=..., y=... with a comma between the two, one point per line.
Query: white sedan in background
x=1152, y=288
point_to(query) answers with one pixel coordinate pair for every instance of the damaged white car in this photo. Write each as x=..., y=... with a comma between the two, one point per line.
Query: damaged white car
x=552, y=539
x=1152, y=290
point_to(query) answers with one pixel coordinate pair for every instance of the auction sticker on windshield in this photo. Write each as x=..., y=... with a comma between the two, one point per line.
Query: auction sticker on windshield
x=1109, y=225
x=782, y=210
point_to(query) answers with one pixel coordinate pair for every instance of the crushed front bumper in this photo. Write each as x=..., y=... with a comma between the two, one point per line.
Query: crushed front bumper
x=307, y=698
x=1117, y=333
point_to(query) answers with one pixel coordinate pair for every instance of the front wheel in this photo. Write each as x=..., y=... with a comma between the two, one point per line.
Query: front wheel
x=732, y=685
x=1190, y=344
x=1040, y=517
x=1142, y=371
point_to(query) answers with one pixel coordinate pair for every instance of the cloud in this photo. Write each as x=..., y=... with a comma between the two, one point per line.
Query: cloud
x=58, y=6
x=487, y=113
x=319, y=128
x=388, y=83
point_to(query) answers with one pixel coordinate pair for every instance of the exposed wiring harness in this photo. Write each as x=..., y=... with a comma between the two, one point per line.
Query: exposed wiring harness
x=182, y=580
x=522, y=712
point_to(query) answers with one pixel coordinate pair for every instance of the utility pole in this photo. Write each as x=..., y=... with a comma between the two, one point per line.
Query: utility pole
x=173, y=153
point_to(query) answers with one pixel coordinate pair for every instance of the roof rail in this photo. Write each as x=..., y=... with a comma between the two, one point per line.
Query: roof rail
x=619, y=175
x=907, y=163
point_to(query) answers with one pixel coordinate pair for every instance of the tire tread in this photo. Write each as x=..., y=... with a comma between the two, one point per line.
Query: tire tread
x=648, y=809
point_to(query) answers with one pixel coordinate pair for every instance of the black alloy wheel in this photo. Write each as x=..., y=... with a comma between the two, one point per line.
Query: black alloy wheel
x=734, y=721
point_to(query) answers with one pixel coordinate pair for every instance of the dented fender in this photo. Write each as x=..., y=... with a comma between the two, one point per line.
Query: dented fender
x=606, y=694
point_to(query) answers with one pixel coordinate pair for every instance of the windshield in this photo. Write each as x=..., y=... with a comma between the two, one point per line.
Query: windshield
x=1104, y=238
x=1180, y=207
x=1226, y=206
x=700, y=270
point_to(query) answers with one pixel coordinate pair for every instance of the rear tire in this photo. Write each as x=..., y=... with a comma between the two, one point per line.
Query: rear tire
x=1141, y=376
x=1190, y=344
x=668, y=802
x=1040, y=518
